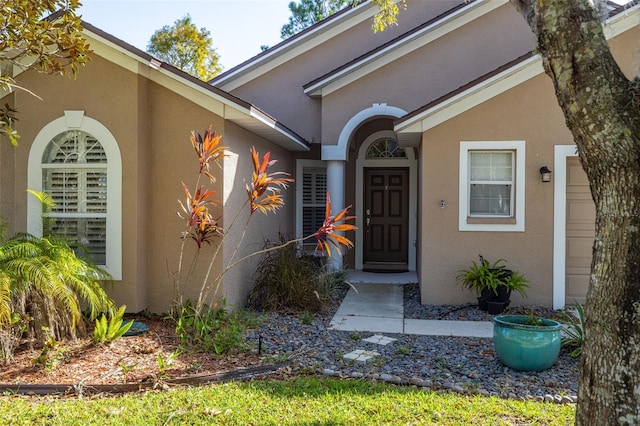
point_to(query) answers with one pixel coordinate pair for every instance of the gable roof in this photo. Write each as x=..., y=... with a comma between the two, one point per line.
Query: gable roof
x=403, y=45
x=212, y=98
x=217, y=101
x=295, y=45
x=411, y=126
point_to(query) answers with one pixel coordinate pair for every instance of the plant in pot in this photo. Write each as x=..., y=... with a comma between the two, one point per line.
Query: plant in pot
x=493, y=283
x=512, y=281
x=484, y=278
x=525, y=342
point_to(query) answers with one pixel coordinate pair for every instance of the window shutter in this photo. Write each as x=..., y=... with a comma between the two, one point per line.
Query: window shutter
x=314, y=181
x=74, y=174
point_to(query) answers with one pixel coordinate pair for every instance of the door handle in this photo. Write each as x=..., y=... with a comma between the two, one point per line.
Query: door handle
x=367, y=220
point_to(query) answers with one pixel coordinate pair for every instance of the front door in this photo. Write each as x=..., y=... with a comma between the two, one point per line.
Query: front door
x=386, y=219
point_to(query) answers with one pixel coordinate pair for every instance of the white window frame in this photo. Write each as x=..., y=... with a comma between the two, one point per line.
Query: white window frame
x=489, y=223
x=76, y=120
x=301, y=165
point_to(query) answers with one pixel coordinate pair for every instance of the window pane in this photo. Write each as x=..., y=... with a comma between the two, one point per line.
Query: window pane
x=487, y=199
x=490, y=166
x=76, y=191
x=385, y=148
x=74, y=174
x=74, y=147
x=86, y=236
x=96, y=192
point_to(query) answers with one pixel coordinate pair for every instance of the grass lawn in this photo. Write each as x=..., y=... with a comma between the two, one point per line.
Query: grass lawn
x=300, y=401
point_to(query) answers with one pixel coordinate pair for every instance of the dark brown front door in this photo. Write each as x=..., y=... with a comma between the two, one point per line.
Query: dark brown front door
x=386, y=218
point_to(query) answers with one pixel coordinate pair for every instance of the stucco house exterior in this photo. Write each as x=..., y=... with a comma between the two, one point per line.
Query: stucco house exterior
x=435, y=131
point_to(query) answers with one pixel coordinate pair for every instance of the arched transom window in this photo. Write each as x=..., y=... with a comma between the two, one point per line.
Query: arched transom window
x=74, y=174
x=385, y=148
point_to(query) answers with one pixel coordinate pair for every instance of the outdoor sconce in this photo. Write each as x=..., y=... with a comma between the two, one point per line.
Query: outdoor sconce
x=545, y=173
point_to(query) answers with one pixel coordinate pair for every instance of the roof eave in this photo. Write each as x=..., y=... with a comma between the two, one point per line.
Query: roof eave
x=474, y=94
x=212, y=98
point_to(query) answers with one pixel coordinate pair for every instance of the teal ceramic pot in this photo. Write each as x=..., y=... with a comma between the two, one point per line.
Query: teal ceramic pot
x=526, y=347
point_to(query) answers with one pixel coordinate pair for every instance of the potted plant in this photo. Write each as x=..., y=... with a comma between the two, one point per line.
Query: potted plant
x=483, y=278
x=512, y=281
x=493, y=284
x=525, y=342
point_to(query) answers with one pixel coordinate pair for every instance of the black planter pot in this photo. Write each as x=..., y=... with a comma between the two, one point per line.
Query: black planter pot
x=482, y=304
x=504, y=294
x=495, y=307
x=487, y=294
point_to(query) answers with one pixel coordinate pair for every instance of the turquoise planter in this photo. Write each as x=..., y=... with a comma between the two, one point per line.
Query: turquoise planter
x=526, y=347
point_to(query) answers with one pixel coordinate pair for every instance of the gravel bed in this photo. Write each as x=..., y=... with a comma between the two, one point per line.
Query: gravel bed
x=458, y=364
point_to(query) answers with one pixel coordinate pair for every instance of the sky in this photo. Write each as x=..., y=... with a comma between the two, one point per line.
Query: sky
x=237, y=27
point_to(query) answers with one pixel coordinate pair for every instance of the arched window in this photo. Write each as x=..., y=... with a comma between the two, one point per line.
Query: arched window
x=385, y=148
x=76, y=160
x=74, y=174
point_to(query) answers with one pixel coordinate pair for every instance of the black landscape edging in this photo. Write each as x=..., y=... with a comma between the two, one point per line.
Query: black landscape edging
x=84, y=389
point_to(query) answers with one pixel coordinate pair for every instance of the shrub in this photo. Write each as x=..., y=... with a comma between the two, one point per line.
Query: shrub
x=43, y=280
x=211, y=330
x=285, y=281
x=113, y=329
x=573, y=330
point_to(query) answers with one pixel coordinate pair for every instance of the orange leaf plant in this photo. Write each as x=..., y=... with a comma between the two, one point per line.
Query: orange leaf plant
x=263, y=194
x=328, y=235
x=264, y=190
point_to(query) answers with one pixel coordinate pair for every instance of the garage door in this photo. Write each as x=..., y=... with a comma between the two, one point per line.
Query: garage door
x=581, y=219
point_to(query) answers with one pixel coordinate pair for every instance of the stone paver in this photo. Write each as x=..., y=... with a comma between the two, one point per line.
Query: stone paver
x=361, y=355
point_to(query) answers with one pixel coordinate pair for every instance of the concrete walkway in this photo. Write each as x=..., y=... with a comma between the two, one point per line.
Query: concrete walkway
x=375, y=303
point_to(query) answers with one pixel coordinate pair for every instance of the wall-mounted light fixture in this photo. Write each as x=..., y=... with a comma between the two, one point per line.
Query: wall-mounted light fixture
x=545, y=173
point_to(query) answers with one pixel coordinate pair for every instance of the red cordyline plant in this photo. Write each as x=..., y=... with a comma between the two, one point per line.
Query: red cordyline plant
x=263, y=195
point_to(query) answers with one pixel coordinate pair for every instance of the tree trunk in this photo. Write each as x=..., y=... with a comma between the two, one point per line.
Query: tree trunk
x=601, y=110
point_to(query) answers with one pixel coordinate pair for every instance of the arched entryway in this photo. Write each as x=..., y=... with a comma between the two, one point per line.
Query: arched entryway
x=386, y=179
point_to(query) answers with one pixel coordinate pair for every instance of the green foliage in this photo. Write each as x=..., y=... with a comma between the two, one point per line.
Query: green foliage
x=184, y=46
x=573, y=330
x=42, y=279
x=484, y=275
x=53, y=46
x=306, y=318
x=517, y=282
x=211, y=330
x=387, y=14
x=107, y=331
x=300, y=401
x=308, y=12
x=285, y=281
x=51, y=353
x=533, y=320
x=162, y=364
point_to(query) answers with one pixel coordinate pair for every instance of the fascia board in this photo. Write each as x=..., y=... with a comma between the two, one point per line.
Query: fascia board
x=502, y=82
x=245, y=116
x=403, y=47
x=622, y=22
x=279, y=55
